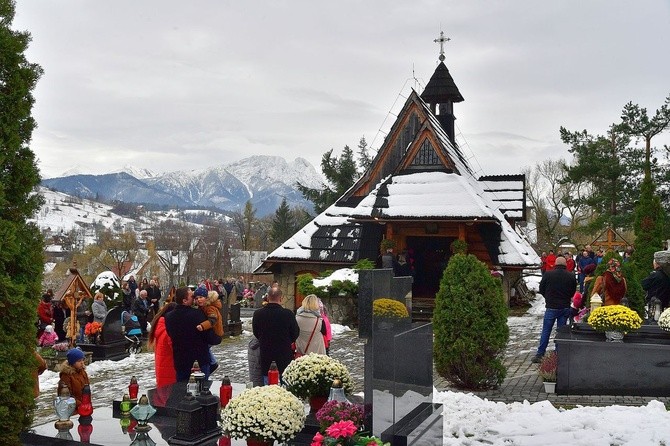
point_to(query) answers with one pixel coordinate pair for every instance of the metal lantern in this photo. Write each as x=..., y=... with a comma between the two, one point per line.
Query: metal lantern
x=210, y=409
x=189, y=421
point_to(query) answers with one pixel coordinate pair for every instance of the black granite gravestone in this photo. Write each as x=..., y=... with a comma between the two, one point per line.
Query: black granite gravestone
x=112, y=343
x=588, y=365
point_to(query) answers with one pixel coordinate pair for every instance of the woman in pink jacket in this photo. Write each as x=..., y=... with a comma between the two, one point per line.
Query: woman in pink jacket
x=329, y=334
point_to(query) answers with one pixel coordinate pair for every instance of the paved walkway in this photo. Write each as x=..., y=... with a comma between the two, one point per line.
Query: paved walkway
x=523, y=383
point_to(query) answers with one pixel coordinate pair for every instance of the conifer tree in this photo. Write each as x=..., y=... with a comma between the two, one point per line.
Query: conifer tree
x=283, y=224
x=341, y=174
x=21, y=245
x=470, y=324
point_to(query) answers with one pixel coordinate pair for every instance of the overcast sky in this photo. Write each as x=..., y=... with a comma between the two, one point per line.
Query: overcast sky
x=171, y=85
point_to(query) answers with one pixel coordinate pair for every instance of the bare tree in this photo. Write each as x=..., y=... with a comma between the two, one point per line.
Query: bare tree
x=557, y=214
x=121, y=249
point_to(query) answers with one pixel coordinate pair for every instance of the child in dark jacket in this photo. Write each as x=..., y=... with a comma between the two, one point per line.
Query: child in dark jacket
x=210, y=304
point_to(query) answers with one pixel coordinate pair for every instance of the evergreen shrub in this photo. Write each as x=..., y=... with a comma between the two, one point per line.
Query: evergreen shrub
x=21, y=244
x=470, y=325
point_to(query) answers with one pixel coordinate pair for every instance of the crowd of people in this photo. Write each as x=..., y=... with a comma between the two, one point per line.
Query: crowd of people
x=566, y=295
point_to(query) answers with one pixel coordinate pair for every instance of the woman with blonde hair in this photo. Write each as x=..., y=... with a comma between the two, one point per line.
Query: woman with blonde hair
x=312, y=327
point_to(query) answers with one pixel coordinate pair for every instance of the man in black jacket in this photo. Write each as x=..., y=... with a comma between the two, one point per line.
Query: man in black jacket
x=276, y=329
x=557, y=286
x=657, y=284
x=188, y=344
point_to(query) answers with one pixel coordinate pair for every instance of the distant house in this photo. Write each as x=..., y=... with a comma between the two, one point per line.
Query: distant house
x=420, y=192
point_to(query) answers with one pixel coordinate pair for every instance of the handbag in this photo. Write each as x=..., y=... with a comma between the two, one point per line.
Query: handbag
x=296, y=352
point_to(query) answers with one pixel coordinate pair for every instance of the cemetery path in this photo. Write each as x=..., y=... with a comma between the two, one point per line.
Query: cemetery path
x=110, y=379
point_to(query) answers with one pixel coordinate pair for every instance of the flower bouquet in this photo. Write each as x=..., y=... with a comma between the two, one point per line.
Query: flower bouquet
x=92, y=328
x=312, y=375
x=614, y=318
x=61, y=347
x=664, y=320
x=335, y=411
x=345, y=433
x=265, y=413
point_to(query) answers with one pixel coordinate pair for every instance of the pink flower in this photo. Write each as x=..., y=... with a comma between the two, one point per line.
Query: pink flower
x=342, y=429
x=317, y=440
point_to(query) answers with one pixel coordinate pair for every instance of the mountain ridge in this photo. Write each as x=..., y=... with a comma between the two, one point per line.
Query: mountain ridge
x=262, y=179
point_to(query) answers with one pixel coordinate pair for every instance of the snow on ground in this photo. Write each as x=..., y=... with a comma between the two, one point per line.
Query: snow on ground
x=469, y=420
x=337, y=329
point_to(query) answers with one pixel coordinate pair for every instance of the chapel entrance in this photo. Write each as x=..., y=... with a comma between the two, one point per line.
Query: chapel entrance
x=430, y=256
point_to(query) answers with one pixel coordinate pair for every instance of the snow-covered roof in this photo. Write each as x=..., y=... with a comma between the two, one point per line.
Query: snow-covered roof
x=417, y=191
x=440, y=195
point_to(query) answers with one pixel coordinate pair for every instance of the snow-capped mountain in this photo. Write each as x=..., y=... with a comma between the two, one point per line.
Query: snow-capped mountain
x=264, y=180
x=138, y=172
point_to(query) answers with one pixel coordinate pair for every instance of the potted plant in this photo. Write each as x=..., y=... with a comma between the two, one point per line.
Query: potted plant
x=310, y=377
x=547, y=370
x=664, y=320
x=389, y=314
x=263, y=415
x=615, y=321
x=345, y=433
x=335, y=411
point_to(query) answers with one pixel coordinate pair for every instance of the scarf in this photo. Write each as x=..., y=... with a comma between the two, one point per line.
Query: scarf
x=316, y=313
x=614, y=267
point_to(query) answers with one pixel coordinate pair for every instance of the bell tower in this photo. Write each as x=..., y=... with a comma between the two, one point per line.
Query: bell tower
x=441, y=93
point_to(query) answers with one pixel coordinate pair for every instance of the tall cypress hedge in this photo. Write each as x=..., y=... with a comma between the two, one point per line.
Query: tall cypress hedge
x=21, y=245
x=470, y=325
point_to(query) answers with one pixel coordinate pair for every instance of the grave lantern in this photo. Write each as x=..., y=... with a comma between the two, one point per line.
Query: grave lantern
x=133, y=389
x=225, y=392
x=337, y=392
x=85, y=408
x=192, y=386
x=125, y=405
x=142, y=412
x=64, y=405
x=210, y=410
x=189, y=421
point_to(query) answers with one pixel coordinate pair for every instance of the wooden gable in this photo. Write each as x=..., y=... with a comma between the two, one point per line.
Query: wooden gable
x=416, y=141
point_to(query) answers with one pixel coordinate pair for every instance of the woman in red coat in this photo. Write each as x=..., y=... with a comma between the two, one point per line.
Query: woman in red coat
x=161, y=344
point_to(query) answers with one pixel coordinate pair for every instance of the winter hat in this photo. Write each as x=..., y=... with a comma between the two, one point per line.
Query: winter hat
x=74, y=355
x=560, y=261
x=588, y=269
x=201, y=291
x=662, y=257
x=49, y=328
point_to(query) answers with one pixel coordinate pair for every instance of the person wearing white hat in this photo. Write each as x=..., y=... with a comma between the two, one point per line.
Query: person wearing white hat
x=49, y=337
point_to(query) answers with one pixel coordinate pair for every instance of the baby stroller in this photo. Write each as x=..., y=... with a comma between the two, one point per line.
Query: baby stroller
x=132, y=332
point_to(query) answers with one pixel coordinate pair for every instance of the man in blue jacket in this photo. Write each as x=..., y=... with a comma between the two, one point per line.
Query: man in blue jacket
x=557, y=286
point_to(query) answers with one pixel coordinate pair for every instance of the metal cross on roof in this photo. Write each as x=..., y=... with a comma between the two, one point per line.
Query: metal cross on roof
x=442, y=40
